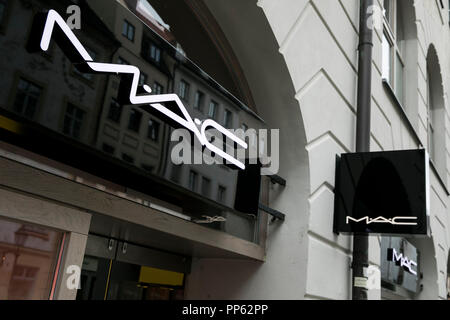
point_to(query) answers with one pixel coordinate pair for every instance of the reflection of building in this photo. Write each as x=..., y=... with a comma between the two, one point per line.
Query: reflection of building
x=28, y=258
x=124, y=131
x=140, y=138
x=63, y=102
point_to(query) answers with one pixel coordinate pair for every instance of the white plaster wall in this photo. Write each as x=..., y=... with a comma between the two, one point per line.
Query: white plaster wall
x=318, y=42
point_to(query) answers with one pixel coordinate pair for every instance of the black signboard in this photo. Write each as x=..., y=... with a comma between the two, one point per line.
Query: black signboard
x=382, y=193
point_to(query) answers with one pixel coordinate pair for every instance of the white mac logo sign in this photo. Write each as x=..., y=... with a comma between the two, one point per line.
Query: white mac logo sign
x=402, y=261
x=398, y=221
x=197, y=126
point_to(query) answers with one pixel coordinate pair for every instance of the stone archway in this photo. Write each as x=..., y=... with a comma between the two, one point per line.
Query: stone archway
x=251, y=37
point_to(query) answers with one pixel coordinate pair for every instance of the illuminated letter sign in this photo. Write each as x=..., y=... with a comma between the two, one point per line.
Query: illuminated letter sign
x=130, y=79
x=398, y=221
x=401, y=261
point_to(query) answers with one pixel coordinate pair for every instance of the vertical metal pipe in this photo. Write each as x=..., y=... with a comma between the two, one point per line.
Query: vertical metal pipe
x=361, y=242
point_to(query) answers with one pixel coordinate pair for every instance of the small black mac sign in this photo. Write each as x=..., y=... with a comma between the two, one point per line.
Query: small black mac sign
x=382, y=193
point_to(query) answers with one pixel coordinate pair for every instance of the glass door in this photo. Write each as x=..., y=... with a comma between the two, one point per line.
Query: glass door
x=115, y=270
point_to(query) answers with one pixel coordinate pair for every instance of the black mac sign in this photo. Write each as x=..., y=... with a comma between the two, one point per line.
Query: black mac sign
x=382, y=193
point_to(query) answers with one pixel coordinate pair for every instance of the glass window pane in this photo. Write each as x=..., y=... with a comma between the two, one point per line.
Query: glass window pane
x=134, y=123
x=193, y=181
x=27, y=98
x=28, y=256
x=212, y=110
x=125, y=28
x=400, y=34
x=398, y=78
x=386, y=63
x=115, y=111
x=228, y=119
x=387, y=4
x=221, y=194
x=206, y=187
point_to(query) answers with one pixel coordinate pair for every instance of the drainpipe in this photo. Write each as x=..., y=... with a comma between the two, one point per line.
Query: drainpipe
x=361, y=241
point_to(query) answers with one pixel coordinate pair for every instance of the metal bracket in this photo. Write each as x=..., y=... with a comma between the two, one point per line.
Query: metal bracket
x=277, y=179
x=274, y=213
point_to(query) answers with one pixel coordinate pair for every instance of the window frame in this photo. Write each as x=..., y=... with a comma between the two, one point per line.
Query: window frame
x=158, y=52
x=150, y=127
x=15, y=91
x=195, y=176
x=87, y=77
x=390, y=33
x=227, y=117
x=221, y=193
x=109, y=115
x=201, y=100
x=216, y=108
x=138, y=129
x=83, y=121
x=143, y=78
x=185, y=95
x=156, y=84
x=128, y=26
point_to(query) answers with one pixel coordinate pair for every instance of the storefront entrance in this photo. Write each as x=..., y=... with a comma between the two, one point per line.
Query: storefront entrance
x=116, y=270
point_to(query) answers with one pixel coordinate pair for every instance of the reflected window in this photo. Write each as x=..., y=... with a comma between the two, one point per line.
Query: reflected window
x=134, y=122
x=153, y=129
x=28, y=257
x=128, y=30
x=228, y=119
x=27, y=98
x=212, y=111
x=108, y=149
x=221, y=194
x=158, y=88
x=150, y=51
x=155, y=53
x=143, y=79
x=193, y=176
x=2, y=11
x=198, y=100
x=176, y=173
x=87, y=76
x=73, y=120
x=121, y=60
x=115, y=111
x=127, y=158
x=147, y=168
x=206, y=187
x=183, y=91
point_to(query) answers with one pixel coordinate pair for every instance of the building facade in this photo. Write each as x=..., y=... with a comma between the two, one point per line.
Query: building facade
x=88, y=181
